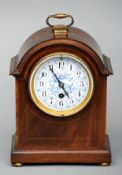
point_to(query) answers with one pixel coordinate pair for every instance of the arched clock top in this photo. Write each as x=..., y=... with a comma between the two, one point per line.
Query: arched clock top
x=45, y=37
x=46, y=34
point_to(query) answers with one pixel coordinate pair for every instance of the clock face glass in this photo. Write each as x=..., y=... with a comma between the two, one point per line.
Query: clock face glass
x=61, y=84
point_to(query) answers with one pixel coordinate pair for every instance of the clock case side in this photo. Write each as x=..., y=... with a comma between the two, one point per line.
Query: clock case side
x=97, y=149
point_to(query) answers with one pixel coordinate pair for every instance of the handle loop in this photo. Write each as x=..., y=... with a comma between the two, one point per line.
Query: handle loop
x=59, y=16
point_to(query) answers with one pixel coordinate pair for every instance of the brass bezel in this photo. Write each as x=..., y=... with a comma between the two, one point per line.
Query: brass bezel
x=61, y=113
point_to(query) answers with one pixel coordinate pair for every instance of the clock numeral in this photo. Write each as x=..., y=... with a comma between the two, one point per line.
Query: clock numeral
x=71, y=101
x=79, y=93
x=41, y=83
x=44, y=74
x=78, y=73
x=51, y=100
x=51, y=67
x=44, y=93
x=61, y=64
x=61, y=103
x=71, y=67
x=82, y=83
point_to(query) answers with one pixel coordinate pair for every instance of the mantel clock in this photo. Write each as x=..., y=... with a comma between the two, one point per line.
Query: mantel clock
x=61, y=81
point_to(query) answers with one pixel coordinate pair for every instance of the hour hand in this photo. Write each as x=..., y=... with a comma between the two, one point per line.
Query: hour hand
x=61, y=85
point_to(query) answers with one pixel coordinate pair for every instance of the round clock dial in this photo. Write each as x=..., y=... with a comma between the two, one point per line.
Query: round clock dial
x=61, y=84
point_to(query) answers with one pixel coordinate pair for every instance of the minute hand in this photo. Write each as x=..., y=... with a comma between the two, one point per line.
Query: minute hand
x=60, y=83
x=54, y=75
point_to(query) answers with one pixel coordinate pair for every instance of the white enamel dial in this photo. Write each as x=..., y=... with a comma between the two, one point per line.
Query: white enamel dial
x=61, y=84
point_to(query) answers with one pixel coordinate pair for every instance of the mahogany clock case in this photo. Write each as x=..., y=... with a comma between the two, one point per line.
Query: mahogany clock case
x=41, y=138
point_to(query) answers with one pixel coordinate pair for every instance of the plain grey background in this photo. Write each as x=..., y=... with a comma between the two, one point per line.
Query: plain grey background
x=100, y=18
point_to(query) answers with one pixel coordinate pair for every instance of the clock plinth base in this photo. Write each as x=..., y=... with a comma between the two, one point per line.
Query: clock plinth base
x=86, y=156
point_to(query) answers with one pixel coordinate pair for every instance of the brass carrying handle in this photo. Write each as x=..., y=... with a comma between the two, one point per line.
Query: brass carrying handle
x=59, y=16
